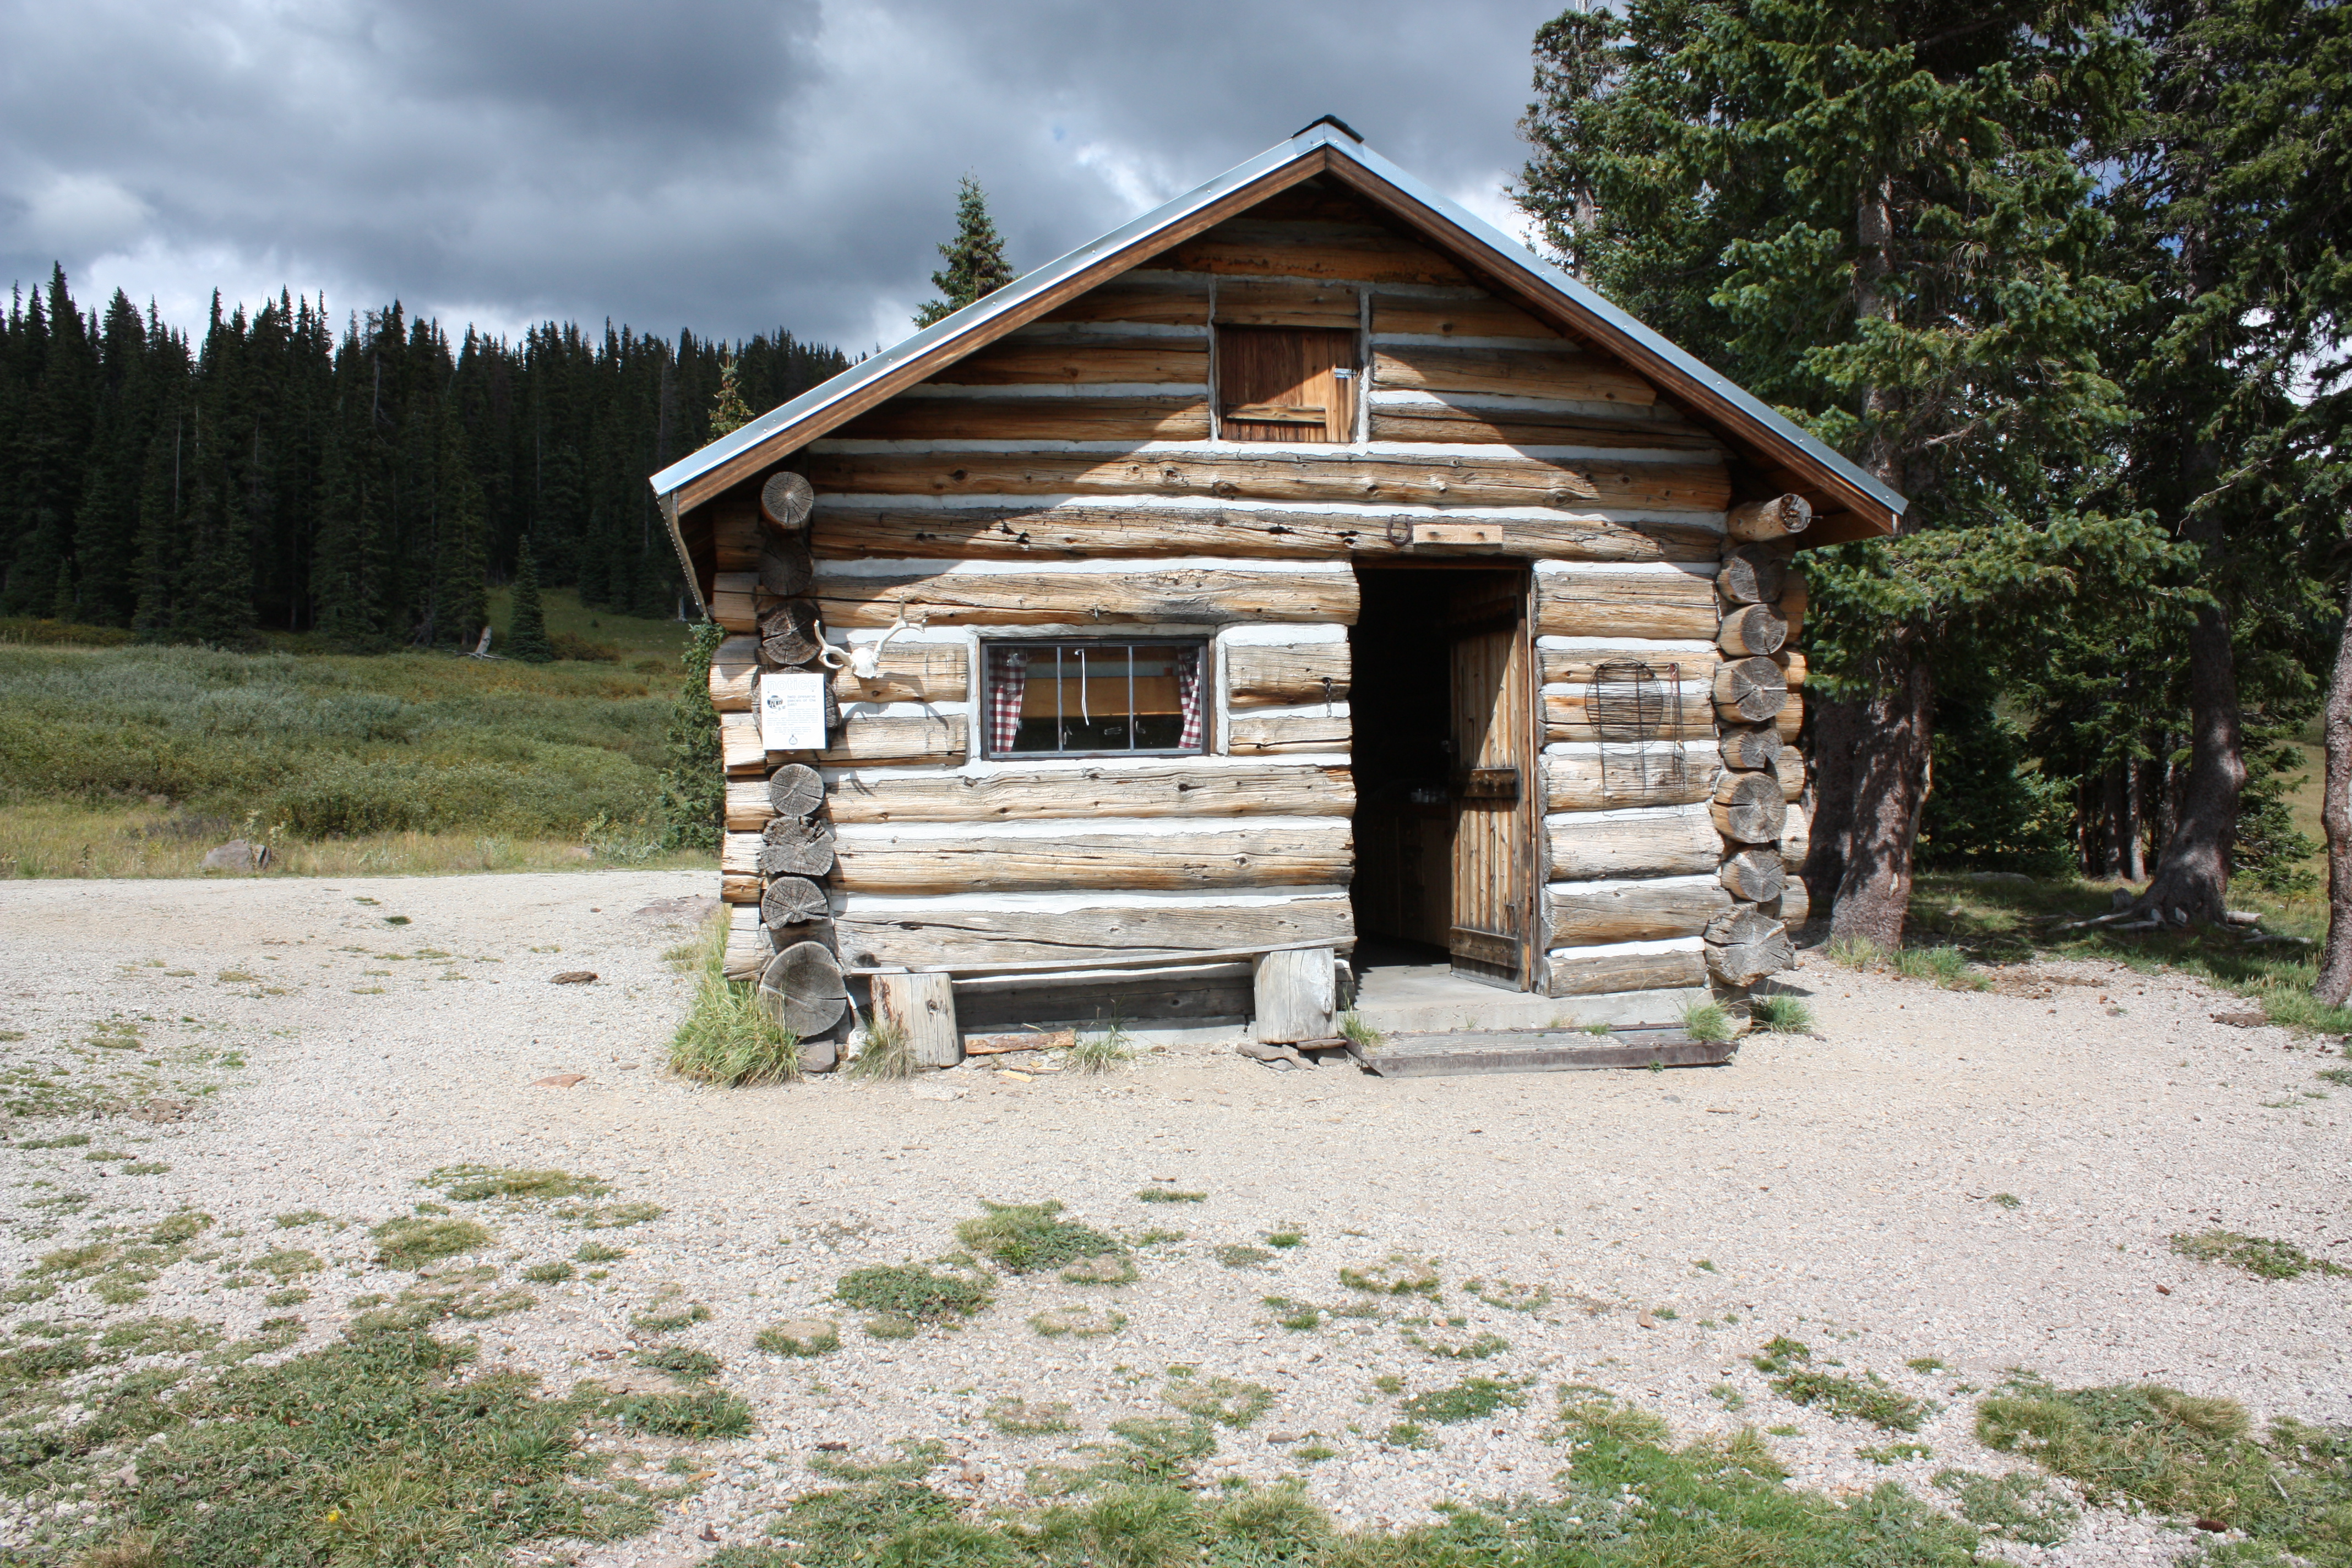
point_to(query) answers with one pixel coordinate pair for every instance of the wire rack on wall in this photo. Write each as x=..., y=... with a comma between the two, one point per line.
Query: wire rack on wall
x=1636, y=713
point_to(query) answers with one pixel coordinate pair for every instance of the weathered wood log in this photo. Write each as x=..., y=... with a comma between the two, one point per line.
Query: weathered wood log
x=739, y=751
x=1758, y=520
x=911, y=672
x=1792, y=602
x=1751, y=574
x=1750, y=748
x=785, y=568
x=1158, y=789
x=1574, y=973
x=1260, y=675
x=1407, y=316
x=1517, y=373
x=1795, y=840
x=1792, y=665
x=734, y=535
x=792, y=901
x=1791, y=767
x=786, y=498
x=1276, y=734
x=737, y=887
x=1076, y=362
x=734, y=600
x=1673, y=842
x=1296, y=996
x=1056, y=533
x=1196, y=595
x=802, y=990
x=895, y=738
x=1366, y=478
x=1149, y=299
x=922, y=1009
x=1536, y=427
x=1576, y=716
x=734, y=672
x=1741, y=925
x=747, y=948
x=1265, y=248
x=795, y=790
x=1239, y=858
x=1795, y=903
x=795, y=847
x=1263, y=302
x=746, y=809
x=1662, y=776
x=1748, y=690
x=1630, y=911
x=1790, y=718
x=1752, y=629
x=1184, y=417
x=1747, y=963
x=1625, y=605
x=788, y=635
x=1580, y=665
x=1749, y=807
x=949, y=936
x=738, y=855
x=1753, y=874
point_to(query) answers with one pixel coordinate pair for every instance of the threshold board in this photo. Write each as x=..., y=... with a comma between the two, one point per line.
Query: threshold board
x=1535, y=1050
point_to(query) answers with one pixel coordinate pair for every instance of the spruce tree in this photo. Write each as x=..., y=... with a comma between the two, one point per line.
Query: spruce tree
x=458, y=604
x=975, y=266
x=526, y=626
x=728, y=412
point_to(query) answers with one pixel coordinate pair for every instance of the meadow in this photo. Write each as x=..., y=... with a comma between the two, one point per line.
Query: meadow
x=119, y=758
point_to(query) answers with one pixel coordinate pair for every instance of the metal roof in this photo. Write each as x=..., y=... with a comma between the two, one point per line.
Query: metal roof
x=1338, y=149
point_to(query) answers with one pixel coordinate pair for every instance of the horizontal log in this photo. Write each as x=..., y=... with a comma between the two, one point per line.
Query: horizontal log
x=735, y=534
x=1662, y=776
x=1184, y=418
x=1795, y=903
x=1051, y=362
x=1407, y=316
x=1256, y=302
x=1172, y=301
x=1567, y=718
x=1748, y=690
x=1186, y=595
x=1624, y=604
x=1572, y=974
x=1750, y=748
x=1759, y=520
x=1636, y=911
x=1753, y=874
x=1791, y=767
x=1516, y=373
x=1676, y=842
x=1795, y=840
x=1792, y=602
x=911, y=672
x=734, y=672
x=1580, y=665
x=1793, y=667
x=1745, y=963
x=749, y=946
x=1790, y=718
x=1159, y=789
x=1534, y=428
x=1382, y=477
x=1141, y=932
x=734, y=600
x=1752, y=629
x=736, y=888
x=1751, y=574
x=1749, y=807
x=1239, y=858
x=1259, y=675
x=1279, y=249
x=1271, y=734
x=739, y=751
x=748, y=808
x=850, y=533
x=895, y=738
x=738, y=854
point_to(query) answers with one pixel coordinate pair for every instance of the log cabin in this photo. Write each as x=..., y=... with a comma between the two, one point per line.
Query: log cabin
x=1302, y=573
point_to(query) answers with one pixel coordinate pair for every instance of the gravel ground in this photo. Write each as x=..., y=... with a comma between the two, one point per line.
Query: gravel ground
x=1985, y=1178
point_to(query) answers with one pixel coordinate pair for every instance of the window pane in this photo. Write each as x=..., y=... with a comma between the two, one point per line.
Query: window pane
x=1095, y=697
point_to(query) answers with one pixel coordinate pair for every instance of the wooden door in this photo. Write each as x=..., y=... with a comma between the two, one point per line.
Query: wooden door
x=1493, y=792
x=1285, y=384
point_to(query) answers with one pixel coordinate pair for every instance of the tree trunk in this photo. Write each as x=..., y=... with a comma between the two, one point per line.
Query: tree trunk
x=1837, y=735
x=1890, y=789
x=2193, y=873
x=2335, y=981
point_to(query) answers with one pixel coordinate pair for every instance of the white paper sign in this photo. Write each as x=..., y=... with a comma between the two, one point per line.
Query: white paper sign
x=792, y=711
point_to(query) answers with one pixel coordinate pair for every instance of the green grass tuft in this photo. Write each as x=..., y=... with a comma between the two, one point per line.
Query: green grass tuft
x=726, y=1037
x=1226, y=1401
x=473, y=1183
x=799, y=1338
x=1027, y=1237
x=887, y=1052
x=1169, y=1196
x=911, y=1291
x=1025, y=1418
x=408, y=1243
x=1107, y=1052
x=2017, y=1506
x=1780, y=1015
x=1472, y=1399
x=2258, y=1256
x=1706, y=1021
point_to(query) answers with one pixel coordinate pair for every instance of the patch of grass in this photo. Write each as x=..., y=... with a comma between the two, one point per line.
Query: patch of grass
x=683, y=1360
x=611, y=1217
x=1286, y=1239
x=162, y=1336
x=1026, y=1237
x=70, y=1140
x=918, y=1457
x=2006, y=1200
x=2017, y=1506
x=1947, y=967
x=1169, y=1196
x=910, y=1292
x=1236, y=1255
x=1226, y=1401
x=1471, y=1399
x=666, y=1314
x=1778, y=1015
x=1477, y=1347
x=1706, y=1021
x=799, y=1337
x=473, y=1183
x=1510, y=1298
x=1594, y=1415
x=1313, y=1453
x=406, y=1243
x=1083, y=1322
x=1355, y=1030
x=1157, y=1238
x=726, y=1037
x=1895, y=1453
x=890, y=1326
x=2340, y=1077
x=1728, y=1397
x=700, y=1413
x=599, y=1252
x=1107, y=1052
x=1027, y=1418
x=1296, y=1316
x=287, y=1262
x=298, y=1218
x=1408, y=1434
x=1401, y=1274
x=1925, y=1363
x=554, y=1273
x=1866, y=1398
x=1105, y=1270
x=2258, y=1256
x=886, y=1053
x=1855, y=952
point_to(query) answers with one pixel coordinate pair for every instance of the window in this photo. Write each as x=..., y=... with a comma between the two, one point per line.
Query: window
x=1285, y=384
x=1048, y=698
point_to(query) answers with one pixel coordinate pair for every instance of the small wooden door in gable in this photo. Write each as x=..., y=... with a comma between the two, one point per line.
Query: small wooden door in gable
x=1285, y=384
x=1493, y=780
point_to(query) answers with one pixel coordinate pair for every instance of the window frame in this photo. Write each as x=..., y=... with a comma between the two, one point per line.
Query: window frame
x=984, y=689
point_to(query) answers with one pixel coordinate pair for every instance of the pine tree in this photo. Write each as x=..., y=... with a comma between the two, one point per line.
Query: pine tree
x=975, y=266
x=728, y=412
x=694, y=786
x=457, y=606
x=527, y=627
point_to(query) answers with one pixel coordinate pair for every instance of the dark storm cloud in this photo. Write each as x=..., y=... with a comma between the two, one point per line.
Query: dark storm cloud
x=726, y=167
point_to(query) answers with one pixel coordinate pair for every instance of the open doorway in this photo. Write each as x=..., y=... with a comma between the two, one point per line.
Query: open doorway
x=1445, y=754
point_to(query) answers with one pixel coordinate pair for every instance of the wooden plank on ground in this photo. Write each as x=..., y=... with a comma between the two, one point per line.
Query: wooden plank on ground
x=1501, y=1051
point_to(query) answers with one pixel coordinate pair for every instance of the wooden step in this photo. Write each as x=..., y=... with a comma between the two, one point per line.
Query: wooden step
x=1537, y=1050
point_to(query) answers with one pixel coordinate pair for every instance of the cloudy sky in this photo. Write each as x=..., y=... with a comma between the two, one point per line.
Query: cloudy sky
x=729, y=165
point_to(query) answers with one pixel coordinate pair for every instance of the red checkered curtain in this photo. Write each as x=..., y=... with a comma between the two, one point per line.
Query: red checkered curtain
x=1188, y=695
x=1008, y=683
